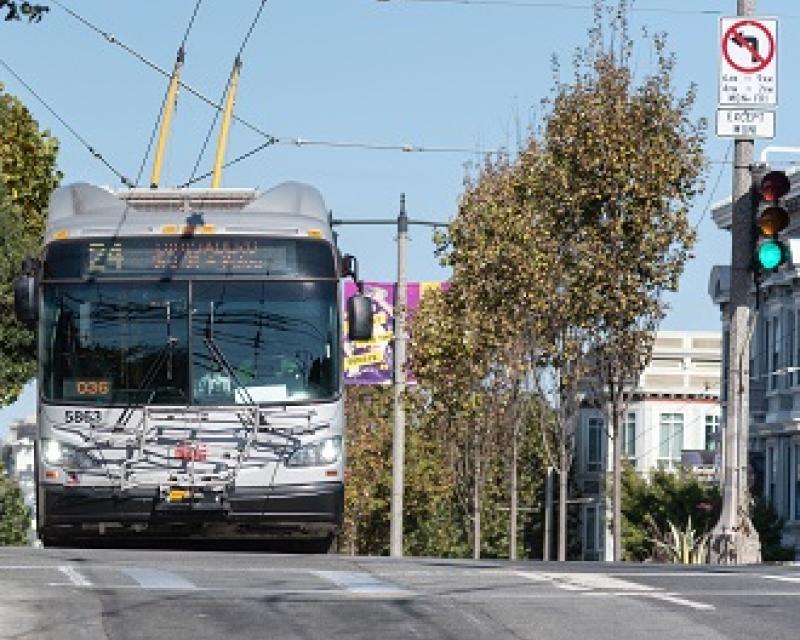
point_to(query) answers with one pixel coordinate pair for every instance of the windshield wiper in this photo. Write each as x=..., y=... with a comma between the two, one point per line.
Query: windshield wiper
x=223, y=362
x=164, y=356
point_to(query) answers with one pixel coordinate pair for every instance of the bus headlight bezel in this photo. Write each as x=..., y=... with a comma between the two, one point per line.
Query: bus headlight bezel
x=66, y=456
x=320, y=453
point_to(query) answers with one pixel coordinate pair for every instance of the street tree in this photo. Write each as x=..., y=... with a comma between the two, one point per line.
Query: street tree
x=428, y=522
x=561, y=256
x=627, y=160
x=27, y=176
x=471, y=348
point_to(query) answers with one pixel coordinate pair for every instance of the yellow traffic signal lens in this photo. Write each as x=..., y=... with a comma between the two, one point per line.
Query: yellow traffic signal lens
x=773, y=220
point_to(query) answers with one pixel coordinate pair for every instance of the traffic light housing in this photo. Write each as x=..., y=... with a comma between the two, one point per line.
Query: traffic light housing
x=771, y=218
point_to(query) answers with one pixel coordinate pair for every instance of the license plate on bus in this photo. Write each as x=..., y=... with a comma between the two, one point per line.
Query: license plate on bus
x=178, y=495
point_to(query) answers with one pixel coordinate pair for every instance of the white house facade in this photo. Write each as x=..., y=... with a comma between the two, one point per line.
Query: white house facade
x=673, y=419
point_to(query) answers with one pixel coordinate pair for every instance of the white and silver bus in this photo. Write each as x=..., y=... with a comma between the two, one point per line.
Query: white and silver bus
x=190, y=364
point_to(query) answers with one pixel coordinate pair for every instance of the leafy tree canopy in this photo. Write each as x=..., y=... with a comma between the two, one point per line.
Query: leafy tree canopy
x=28, y=175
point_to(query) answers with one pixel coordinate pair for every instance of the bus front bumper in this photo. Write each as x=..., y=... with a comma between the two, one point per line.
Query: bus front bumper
x=306, y=510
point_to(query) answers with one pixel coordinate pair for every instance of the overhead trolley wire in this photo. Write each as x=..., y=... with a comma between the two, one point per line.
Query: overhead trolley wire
x=271, y=139
x=533, y=4
x=713, y=191
x=222, y=101
x=191, y=23
x=197, y=94
x=181, y=53
x=252, y=27
x=69, y=128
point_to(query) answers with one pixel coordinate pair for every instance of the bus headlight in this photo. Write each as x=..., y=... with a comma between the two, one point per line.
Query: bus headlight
x=60, y=454
x=317, y=454
x=52, y=452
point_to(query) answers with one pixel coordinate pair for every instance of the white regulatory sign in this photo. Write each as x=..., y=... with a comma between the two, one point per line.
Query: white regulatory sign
x=745, y=123
x=748, y=74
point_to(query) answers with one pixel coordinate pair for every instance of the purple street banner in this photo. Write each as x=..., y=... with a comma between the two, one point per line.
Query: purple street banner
x=371, y=361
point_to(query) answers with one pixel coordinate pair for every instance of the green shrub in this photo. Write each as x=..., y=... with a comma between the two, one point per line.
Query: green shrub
x=15, y=517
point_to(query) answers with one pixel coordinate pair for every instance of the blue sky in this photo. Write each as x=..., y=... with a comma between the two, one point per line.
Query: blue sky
x=425, y=73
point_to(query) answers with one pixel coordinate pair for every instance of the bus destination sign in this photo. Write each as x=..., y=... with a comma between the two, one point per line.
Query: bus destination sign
x=201, y=255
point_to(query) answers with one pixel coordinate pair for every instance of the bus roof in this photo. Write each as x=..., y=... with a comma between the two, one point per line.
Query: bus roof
x=290, y=209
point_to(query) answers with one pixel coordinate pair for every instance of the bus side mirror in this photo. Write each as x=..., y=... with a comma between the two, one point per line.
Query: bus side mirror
x=349, y=267
x=359, y=314
x=26, y=306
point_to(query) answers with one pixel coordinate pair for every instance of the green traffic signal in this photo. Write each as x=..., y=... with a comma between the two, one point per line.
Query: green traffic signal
x=772, y=254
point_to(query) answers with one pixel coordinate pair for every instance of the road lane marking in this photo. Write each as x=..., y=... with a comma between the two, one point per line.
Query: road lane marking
x=157, y=579
x=361, y=583
x=795, y=579
x=684, y=602
x=552, y=579
x=598, y=584
x=75, y=576
x=585, y=581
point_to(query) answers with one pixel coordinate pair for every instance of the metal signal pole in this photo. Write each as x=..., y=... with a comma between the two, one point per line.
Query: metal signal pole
x=400, y=341
x=399, y=433
x=734, y=539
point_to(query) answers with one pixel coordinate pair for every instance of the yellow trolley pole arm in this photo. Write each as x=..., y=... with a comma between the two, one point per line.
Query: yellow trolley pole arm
x=166, y=120
x=225, y=127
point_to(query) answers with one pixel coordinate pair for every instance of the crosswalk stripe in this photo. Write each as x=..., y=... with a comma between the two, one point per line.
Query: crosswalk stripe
x=75, y=576
x=157, y=579
x=361, y=583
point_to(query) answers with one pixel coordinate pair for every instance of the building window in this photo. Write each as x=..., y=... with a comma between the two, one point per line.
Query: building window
x=790, y=347
x=797, y=482
x=771, y=475
x=590, y=532
x=594, y=435
x=774, y=353
x=796, y=355
x=670, y=440
x=723, y=383
x=712, y=432
x=629, y=436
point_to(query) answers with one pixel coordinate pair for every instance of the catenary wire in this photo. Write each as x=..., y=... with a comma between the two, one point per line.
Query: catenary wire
x=532, y=4
x=217, y=112
x=191, y=24
x=166, y=92
x=713, y=192
x=69, y=128
x=283, y=140
x=279, y=140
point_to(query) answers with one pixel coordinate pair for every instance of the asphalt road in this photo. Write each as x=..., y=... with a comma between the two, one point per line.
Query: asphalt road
x=119, y=594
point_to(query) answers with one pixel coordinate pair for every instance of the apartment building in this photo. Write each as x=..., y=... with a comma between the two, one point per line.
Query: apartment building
x=672, y=419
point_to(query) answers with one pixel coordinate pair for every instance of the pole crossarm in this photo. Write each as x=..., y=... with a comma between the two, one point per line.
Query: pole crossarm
x=387, y=221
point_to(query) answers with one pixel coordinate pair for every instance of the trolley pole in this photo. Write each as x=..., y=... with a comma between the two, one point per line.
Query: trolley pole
x=734, y=539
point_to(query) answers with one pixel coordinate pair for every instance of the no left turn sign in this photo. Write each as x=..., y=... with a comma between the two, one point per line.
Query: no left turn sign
x=748, y=62
x=748, y=46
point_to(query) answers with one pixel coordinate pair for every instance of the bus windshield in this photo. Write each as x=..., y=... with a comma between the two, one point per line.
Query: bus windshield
x=115, y=343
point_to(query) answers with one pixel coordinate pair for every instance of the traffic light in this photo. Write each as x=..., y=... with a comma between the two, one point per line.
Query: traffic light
x=771, y=218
